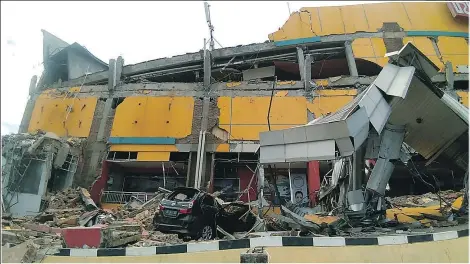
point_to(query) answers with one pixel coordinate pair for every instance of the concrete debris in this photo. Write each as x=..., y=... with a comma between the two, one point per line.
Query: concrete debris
x=427, y=199
x=65, y=199
x=156, y=238
x=24, y=155
x=23, y=253
x=86, y=198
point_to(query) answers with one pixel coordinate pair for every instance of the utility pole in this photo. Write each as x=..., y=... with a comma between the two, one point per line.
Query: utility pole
x=209, y=23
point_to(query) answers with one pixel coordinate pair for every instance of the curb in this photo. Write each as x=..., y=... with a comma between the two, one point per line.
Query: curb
x=271, y=241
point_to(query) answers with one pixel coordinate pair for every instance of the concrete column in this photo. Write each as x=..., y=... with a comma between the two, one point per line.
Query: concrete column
x=313, y=179
x=212, y=173
x=260, y=189
x=105, y=115
x=191, y=170
x=301, y=59
x=201, y=155
x=307, y=72
x=357, y=169
x=112, y=75
x=119, y=66
x=449, y=71
x=350, y=58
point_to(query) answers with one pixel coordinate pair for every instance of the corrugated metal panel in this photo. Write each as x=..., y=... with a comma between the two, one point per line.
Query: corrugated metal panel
x=457, y=107
x=430, y=124
x=376, y=107
x=395, y=80
x=409, y=55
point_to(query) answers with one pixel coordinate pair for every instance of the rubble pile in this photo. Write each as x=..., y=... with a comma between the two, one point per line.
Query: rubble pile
x=427, y=199
x=156, y=238
x=66, y=199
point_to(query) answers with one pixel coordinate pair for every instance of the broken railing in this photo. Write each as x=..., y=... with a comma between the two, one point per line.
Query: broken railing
x=118, y=197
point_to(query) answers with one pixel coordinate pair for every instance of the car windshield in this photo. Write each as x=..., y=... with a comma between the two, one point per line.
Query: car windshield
x=183, y=195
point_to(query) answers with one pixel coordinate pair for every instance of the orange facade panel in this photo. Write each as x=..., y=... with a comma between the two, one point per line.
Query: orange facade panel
x=65, y=116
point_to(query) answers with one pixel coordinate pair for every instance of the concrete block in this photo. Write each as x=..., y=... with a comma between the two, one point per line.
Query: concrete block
x=78, y=237
x=256, y=255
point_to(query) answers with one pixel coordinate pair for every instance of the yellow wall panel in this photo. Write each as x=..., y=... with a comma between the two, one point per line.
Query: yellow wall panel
x=371, y=49
x=248, y=114
x=224, y=102
x=308, y=22
x=377, y=14
x=452, y=46
x=129, y=117
x=168, y=117
x=144, y=148
x=143, y=116
x=379, y=47
x=254, y=110
x=362, y=48
x=424, y=44
x=354, y=18
x=456, y=60
x=153, y=156
x=463, y=97
x=51, y=115
x=250, y=132
x=436, y=17
x=323, y=105
x=336, y=92
x=423, y=16
x=332, y=26
x=223, y=148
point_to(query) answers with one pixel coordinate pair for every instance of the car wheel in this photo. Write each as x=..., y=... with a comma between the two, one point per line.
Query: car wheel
x=207, y=232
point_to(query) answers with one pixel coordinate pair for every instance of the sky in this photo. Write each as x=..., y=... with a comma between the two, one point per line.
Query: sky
x=138, y=31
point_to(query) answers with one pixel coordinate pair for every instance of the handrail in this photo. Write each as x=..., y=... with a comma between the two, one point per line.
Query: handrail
x=124, y=197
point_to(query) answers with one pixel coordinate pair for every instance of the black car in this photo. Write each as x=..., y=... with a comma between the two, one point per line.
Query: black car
x=188, y=212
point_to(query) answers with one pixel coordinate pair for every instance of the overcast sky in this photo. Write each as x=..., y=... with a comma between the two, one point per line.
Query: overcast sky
x=138, y=31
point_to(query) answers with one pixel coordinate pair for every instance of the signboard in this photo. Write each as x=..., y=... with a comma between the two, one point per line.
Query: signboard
x=458, y=9
x=298, y=189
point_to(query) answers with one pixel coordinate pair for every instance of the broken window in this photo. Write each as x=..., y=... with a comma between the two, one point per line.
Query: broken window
x=62, y=177
x=183, y=195
x=28, y=179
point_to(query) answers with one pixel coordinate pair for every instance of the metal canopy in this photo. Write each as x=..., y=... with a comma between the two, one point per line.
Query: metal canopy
x=399, y=96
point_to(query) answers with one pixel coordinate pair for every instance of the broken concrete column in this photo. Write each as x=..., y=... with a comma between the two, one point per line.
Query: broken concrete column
x=255, y=255
x=85, y=195
x=390, y=146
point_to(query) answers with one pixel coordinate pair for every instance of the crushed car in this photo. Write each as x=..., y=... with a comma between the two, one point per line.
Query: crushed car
x=194, y=214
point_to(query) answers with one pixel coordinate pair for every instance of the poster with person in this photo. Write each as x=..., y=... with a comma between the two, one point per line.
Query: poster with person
x=298, y=189
x=283, y=185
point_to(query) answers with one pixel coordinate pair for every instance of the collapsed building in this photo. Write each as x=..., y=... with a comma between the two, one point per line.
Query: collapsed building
x=195, y=119
x=35, y=165
x=399, y=115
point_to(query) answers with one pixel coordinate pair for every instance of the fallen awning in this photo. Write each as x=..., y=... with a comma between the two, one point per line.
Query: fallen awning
x=402, y=94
